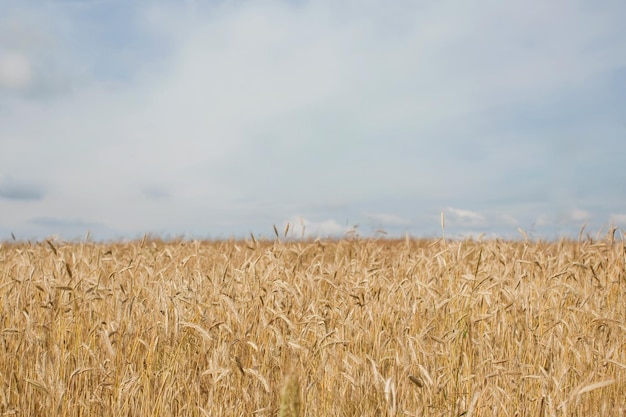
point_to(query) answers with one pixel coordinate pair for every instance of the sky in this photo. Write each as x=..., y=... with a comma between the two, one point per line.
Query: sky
x=217, y=119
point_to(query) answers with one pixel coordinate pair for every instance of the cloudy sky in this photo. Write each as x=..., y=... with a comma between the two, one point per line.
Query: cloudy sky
x=222, y=118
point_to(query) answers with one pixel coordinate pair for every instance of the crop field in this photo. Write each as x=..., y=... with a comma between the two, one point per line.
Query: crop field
x=352, y=327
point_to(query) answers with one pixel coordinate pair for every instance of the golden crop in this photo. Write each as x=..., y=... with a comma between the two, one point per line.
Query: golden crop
x=354, y=327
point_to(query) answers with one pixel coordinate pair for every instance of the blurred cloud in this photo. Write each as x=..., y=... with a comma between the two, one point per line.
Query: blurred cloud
x=156, y=192
x=67, y=228
x=15, y=71
x=455, y=216
x=12, y=189
x=579, y=215
x=299, y=227
x=619, y=219
x=384, y=219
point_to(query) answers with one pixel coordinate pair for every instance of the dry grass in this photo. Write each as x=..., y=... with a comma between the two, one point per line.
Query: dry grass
x=346, y=328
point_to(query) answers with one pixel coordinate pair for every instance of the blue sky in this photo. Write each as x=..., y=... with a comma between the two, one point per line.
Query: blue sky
x=223, y=118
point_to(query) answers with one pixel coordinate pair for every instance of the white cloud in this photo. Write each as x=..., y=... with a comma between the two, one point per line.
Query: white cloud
x=542, y=220
x=385, y=219
x=618, y=219
x=15, y=70
x=563, y=218
x=462, y=217
x=300, y=227
x=507, y=219
x=474, y=223
x=579, y=215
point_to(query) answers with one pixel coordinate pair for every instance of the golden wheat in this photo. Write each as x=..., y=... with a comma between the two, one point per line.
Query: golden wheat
x=354, y=327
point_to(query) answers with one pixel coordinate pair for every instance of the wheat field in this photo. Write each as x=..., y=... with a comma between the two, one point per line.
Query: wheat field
x=352, y=327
